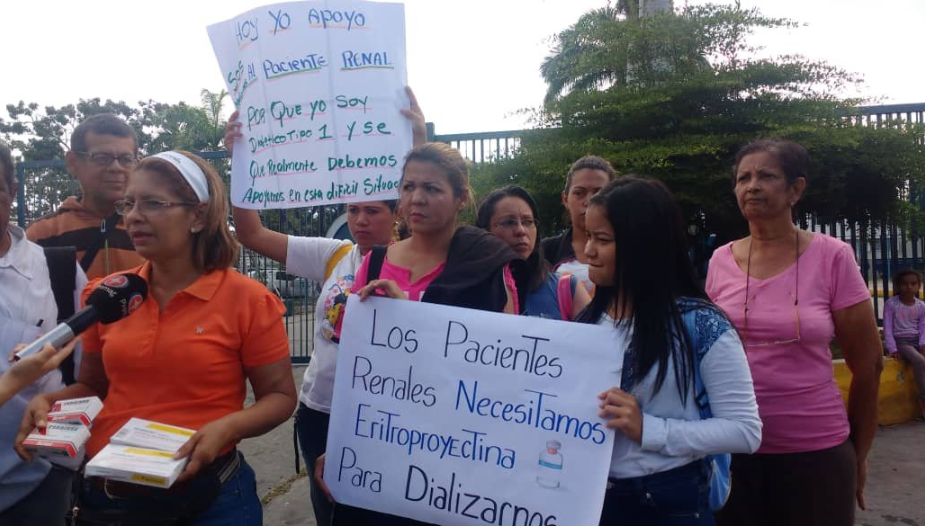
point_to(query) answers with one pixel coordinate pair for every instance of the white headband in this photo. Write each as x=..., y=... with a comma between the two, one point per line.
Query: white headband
x=190, y=171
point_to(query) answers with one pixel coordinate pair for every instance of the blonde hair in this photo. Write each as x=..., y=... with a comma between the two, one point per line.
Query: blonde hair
x=213, y=247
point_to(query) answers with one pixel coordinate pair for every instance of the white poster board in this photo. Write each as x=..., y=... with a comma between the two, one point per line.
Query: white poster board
x=319, y=87
x=457, y=416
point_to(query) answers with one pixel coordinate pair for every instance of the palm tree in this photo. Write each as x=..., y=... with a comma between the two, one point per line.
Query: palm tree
x=212, y=104
x=583, y=43
x=616, y=46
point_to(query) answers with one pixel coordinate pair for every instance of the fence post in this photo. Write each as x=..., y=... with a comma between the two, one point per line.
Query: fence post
x=21, y=195
x=431, y=131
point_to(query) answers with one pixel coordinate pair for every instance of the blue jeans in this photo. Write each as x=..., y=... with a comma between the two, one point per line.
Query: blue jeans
x=312, y=427
x=678, y=497
x=237, y=503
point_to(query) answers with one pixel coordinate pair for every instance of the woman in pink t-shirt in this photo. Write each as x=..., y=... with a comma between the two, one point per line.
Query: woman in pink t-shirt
x=789, y=291
x=441, y=262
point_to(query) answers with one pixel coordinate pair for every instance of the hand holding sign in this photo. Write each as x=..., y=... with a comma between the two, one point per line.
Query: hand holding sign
x=382, y=287
x=232, y=132
x=319, y=476
x=457, y=416
x=623, y=412
x=416, y=116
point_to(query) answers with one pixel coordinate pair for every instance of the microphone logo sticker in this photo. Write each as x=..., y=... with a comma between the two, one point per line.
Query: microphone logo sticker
x=118, y=281
x=134, y=302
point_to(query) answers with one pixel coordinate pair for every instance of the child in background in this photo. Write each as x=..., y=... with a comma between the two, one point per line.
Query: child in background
x=904, y=325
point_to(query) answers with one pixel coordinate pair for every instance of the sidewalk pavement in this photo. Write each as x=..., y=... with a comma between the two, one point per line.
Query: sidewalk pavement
x=895, y=480
x=284, y=493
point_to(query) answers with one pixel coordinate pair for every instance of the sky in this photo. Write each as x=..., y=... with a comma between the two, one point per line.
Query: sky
x=473, y=64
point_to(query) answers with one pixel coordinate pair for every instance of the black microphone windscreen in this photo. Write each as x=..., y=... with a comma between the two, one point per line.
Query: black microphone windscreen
x=118, y=296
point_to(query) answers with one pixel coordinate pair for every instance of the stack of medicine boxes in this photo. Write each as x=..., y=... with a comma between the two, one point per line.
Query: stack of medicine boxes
x=68, y=428
x=142, y=452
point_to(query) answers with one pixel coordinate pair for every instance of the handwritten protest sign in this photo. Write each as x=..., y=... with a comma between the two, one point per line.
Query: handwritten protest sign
x=458, y=416
x=319, y=87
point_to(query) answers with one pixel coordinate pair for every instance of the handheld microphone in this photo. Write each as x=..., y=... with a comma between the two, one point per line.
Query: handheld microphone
x=115, y=298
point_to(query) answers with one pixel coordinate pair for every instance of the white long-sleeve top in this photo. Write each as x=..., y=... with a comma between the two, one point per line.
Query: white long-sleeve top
x=673, y=434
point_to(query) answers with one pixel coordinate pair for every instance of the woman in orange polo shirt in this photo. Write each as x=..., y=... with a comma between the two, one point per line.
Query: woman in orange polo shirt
x=183, y=358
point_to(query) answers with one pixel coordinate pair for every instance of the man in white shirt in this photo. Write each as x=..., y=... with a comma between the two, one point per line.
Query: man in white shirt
x=36, y=492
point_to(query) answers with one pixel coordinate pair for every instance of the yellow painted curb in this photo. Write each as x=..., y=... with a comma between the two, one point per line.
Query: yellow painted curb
x=898, y=394
x=885, y=294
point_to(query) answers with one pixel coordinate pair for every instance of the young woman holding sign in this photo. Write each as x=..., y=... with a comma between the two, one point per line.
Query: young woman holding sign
x=675, y=339
x=333, y=263
x=439, y=263
x=510, y=213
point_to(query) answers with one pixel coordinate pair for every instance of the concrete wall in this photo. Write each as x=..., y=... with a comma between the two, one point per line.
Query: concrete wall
x=898, y=394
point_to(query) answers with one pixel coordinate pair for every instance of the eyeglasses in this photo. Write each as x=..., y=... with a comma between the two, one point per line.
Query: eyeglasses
x=147, y=206
x=796, y=339
x=511, y=224
x=796, y=303
x=104, y=159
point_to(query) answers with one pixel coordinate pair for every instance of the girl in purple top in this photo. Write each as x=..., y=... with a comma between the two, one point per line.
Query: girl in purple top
x=789, y=292
x=904, y=325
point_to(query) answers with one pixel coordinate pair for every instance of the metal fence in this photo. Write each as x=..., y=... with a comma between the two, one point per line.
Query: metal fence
x=881, y=247
x=889, y=114
x=484, y=147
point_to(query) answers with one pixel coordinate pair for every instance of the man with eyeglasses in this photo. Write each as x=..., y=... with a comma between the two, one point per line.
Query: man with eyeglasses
x=104, y=149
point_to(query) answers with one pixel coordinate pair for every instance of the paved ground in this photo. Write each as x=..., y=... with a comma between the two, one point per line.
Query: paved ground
x=896, y=478
x=895, y=494
x=272, y=455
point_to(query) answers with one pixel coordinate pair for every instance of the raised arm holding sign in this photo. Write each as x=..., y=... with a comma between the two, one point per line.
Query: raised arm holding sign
x=332, y=263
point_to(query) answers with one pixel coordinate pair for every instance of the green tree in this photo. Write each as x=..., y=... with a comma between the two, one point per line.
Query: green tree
x=42, y=133
x=213, y=103
x=674, y=95
x=184, y=127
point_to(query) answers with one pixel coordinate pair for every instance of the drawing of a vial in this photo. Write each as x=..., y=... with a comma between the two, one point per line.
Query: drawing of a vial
x=550, y=468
